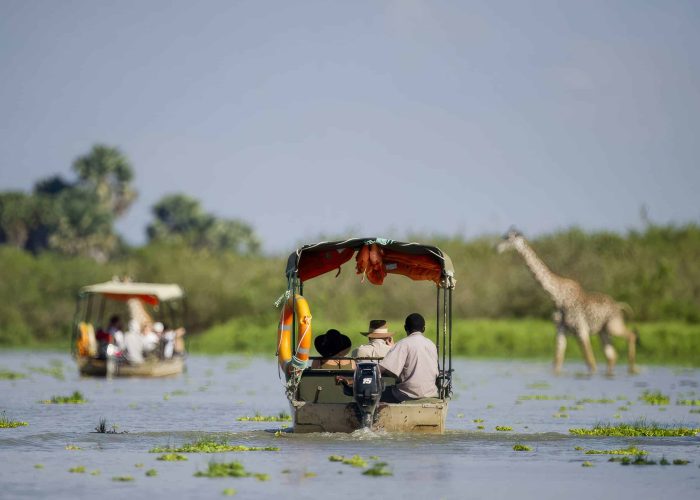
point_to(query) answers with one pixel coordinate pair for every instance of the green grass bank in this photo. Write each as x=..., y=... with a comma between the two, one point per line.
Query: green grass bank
x=672, y=343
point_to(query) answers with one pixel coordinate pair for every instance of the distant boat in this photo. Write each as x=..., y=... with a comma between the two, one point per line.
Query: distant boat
x=151, y=346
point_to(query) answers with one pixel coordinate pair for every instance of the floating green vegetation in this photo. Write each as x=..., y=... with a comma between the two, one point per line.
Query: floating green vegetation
x=354, y=461
x=654, y=398
x=480, y=427
x=521, y=447
x=560, y=415
x=637, y=460
x=38, y=466
x=579, y=448
x=680, y=461
x=75, y=398
x=6, y=423
x=55, y=370
x=378, y=469
x=10, y=375
x=695, y=411
x=586, y=464
x=172, y=457
x=623, y=408
x=543, y=397
x=601, y=401
x=151, y=473
x=102, y=428
x=632, y=450
x=138, y=466
x=504, y=428
x=280, y=417
x=490, y=406
x=95, y=472
x=73, y=447
x=460, y=415
x=80, y=469
x=688, y=402
x=538, y=385
x=228, y=492
x=478, y=420
x=309, y=474
x=640, y=428
x=209, y=446
x=123, y=479
x=231, y=469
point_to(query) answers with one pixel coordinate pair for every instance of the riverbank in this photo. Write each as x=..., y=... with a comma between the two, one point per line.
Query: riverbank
x=670, y=343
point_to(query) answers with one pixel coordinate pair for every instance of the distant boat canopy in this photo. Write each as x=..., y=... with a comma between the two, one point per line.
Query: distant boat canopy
x=150, y=293
x=375, y=259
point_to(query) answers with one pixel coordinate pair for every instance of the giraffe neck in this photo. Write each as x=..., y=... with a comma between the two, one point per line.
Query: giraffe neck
x=539, y=270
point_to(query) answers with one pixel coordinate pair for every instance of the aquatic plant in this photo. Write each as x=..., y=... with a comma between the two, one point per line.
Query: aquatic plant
x=638, y=460
x=538, y=385
x=654, y=398
x=95, y=472
x=560, y=415
x=478, y=420
x=378, y=469
x=521, y=447
x=55, y=371
x=694, y=411
x=639, y=428
x=681, y=461
x=228, y=492
x=80, y=469
x=172, y=457
x=602, y=401
x=10, y=375
x=73, y=447
x=6, y=423
x=355, y=460
x=688, y=402
x=75, y=398
x=632, y=450
x=210, y=446
x=231, y=469
x=586, y=464
x=542, y=397
x=138, y=466
x=309, y=474
x=280, y=417
x=579, y=448
x=504, y=428
x=151, y=472
x=38, y=466
x=480, y=427
x=102, y=426
x=123, y=479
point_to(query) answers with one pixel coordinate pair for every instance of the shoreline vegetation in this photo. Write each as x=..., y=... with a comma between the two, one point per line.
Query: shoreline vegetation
x=231, y=294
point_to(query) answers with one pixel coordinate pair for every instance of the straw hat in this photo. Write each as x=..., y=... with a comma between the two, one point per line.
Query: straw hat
x=378, y=330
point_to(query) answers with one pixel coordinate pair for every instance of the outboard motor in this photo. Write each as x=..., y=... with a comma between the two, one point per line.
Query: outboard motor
x=367, y=390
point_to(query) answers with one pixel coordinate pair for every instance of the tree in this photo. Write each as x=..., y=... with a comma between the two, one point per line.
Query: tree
x=15, y=218
x=180, y=219
x=108, y=173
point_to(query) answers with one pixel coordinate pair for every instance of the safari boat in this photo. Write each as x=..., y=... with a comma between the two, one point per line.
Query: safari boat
x=319, y=402
x=95, y=344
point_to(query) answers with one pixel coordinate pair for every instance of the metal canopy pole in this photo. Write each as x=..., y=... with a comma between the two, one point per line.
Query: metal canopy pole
x=437, y=326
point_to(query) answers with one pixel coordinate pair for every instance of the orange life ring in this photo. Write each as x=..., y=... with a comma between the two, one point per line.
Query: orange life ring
x=300, y=358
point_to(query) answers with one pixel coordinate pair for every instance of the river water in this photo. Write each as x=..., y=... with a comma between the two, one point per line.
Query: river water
x=465, y=462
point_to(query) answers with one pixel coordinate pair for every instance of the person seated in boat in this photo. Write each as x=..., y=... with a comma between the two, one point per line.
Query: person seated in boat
x=151, y=337
x=381, y=340
x=115, y=330
x=414, y=362
x=133, y=340
x=333, y=344
x=173, y=342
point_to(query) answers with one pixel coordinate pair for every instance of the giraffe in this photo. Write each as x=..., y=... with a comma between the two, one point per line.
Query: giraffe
x=577, y=311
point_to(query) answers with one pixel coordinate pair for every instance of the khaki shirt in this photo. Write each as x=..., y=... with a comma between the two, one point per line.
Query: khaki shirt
x=376, y=348
x=414, y=360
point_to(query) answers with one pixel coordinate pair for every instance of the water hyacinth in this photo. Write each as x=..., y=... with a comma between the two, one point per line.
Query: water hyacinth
x=172, y=457
x=504, y=428
x=280, y=417
x=210, y=446
x=75, y=398
x=640, y=428
x=521, y=447
x=632, y=450
x=230, y=469
x=655, y=398
x=6, y=423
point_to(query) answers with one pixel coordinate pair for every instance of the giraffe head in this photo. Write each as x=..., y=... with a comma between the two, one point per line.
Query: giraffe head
x=510, y=240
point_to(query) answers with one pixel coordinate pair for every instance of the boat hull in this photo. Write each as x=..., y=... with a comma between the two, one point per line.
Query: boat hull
x=423, y=416
x=150, y=368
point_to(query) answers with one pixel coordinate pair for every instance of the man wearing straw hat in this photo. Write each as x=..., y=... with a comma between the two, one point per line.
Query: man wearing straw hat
x=381, y=340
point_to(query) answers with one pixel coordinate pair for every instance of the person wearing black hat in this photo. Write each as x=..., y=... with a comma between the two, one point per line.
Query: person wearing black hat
x=414, y=362
x=333, y=344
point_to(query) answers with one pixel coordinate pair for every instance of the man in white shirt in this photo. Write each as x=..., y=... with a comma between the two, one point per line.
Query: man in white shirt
x=381, y=340
x=414, y=361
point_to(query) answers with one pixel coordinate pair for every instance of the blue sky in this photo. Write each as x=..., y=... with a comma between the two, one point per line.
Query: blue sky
x=370, y=117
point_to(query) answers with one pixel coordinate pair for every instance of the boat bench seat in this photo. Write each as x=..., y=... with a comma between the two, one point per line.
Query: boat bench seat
x=319, y=386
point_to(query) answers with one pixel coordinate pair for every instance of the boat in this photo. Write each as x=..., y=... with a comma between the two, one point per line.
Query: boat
x=95, y=344
x=318, y=401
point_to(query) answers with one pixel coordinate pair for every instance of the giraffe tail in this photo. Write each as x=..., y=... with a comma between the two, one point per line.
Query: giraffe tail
x=626, y=308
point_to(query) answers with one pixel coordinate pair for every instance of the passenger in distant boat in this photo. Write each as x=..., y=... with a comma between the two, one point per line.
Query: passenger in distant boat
x=414, y=362
x=134, y=343
x=333, y=344
x=173, y=341
x=381, y=340
x=115, y=330
x=151, y=337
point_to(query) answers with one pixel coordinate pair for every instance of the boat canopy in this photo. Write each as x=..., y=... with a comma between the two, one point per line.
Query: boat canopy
x=151, y=293
x=375, y=258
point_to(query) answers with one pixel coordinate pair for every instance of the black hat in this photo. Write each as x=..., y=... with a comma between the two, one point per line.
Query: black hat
x=332, y=343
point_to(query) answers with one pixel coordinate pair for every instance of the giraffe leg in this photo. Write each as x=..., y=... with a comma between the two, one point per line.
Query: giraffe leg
x=584, y=338
x=609, y=351
x=559, y=349
x=618, y=328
